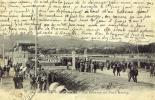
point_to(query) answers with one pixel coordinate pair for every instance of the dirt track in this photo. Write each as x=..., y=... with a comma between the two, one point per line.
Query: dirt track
x=83, y=82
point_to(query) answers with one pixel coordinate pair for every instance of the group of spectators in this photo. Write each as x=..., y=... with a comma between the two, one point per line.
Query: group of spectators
x=88, y=66
x=40, y=81
x=20, y=75
x=117, y=67
x=5, y=70
x=92, y=65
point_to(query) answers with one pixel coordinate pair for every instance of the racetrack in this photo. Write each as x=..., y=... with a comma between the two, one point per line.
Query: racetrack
x=83, y=82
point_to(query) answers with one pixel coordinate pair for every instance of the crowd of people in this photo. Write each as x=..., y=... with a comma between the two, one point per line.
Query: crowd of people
x=42, y=79
x=5, y=70
x=92, y=66
x=116, y=66
x=21, y=73
x=27, y=72
x=88, y=66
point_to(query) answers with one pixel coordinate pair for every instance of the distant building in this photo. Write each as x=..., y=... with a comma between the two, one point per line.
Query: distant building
x=22, y=51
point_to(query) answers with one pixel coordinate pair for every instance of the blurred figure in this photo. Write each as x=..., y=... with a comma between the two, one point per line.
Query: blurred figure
x=8, y=70
x=92, y=67
x=15, y=79
x=68, y=65
x=1, y=74
x=77, y=65
x=114, y=69
x=101, y=66
x=95, y=66
x=151, y=71
x=154, y=70
x=133, y=73
x=33, y=82
x=40, y=81
x=82, y=66
x=44, y=79
x=20, y=81
x=4, y=70
x=86, y=66
x=118, y=68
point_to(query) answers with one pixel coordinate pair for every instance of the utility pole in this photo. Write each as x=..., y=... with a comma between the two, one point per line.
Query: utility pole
x=36, y=37
x=3, y=49
x=138, y=60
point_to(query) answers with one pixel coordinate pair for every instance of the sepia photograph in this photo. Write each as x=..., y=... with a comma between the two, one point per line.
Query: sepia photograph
x=77, y=49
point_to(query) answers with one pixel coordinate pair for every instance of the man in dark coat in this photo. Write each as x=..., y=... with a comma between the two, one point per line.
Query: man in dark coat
x=151, y=71
x=8, y=70
x=15, y=79
x=101, y=64
x=133, y=73
x=20, y=81
x=4, y=70
x=95, y=66
x=40, y=82
x=33, y=82
x=118, y=67
x=1, y=74
x=114, y=69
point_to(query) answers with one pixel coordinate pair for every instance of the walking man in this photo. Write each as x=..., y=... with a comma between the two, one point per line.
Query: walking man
x=118, y=69
x=151, y=71
x=133, y=73
x=114, y=69
x=1, y=74
x=92, y=67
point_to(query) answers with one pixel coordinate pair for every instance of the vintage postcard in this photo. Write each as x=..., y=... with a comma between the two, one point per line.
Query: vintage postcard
x=77, y=49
